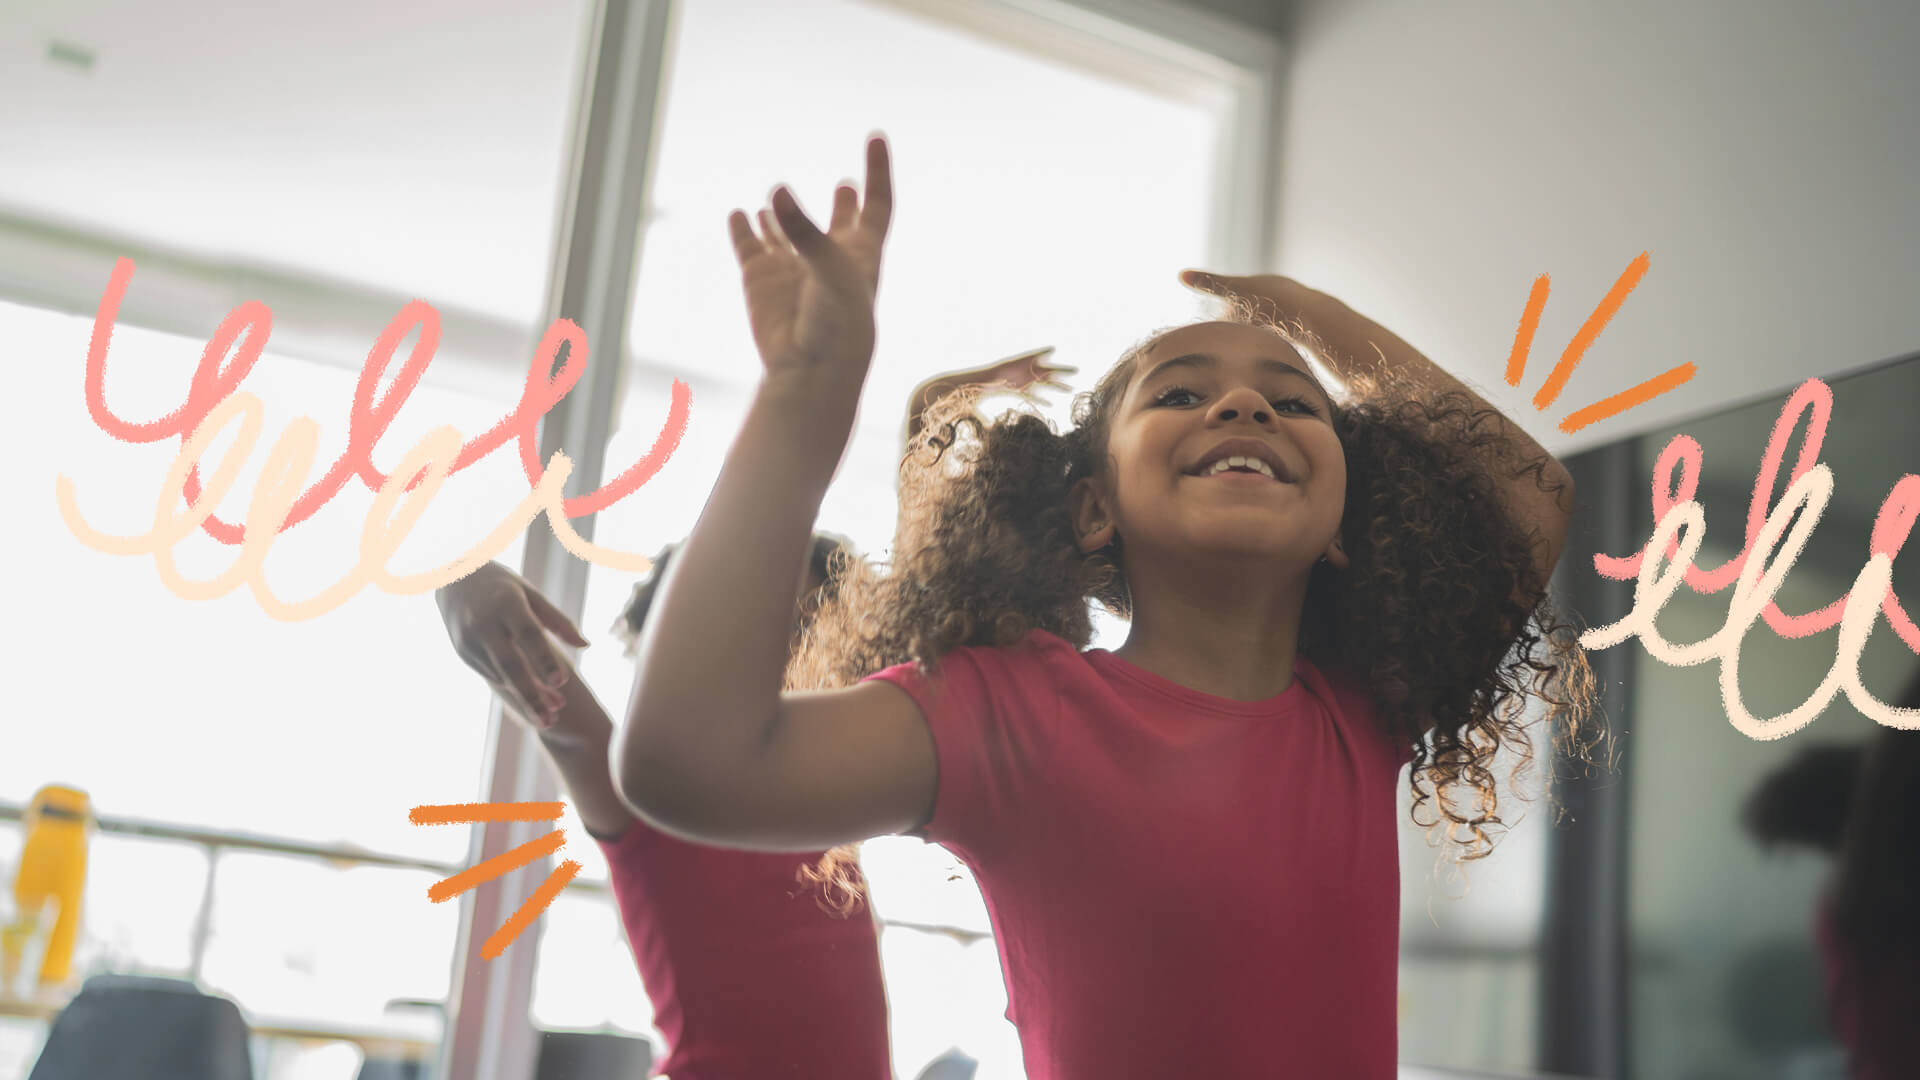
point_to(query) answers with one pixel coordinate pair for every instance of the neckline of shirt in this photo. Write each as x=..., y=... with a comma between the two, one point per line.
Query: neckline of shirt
x=1190, y=698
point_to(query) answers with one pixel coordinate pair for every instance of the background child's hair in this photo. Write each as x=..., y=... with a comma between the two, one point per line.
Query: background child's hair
x=1442, y=615
x=827, y=559
x=1804, y=802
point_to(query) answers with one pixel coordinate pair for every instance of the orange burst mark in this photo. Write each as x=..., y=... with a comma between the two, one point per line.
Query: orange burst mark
x=1529, y=322
x=500, y=865
x=504, y=863
x=470, y=813
x=1577, y=349
x=1627, y=399
x=1596, y=322
x=536, y=904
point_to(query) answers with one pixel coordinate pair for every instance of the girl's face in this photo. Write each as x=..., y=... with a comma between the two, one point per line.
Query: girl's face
x=1215, y=393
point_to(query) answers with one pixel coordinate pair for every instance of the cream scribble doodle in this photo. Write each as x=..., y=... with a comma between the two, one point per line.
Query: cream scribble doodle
x=1758, y=571
x=213, y=404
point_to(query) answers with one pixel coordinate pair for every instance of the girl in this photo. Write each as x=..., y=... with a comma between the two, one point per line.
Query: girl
x=749, y=977
x=1186, y=845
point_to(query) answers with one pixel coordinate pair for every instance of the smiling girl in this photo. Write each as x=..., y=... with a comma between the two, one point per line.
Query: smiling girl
x=1188, y=844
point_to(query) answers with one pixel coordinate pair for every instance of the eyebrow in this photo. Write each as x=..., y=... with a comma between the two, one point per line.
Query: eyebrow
x=1270, y=364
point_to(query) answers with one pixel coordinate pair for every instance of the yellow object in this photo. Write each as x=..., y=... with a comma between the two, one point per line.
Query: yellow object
x=53, y=872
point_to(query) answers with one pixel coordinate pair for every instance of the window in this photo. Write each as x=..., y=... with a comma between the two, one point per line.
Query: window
x=332, y=163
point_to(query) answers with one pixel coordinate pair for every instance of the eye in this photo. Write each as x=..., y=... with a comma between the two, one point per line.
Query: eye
x=1173, y=395
x=1299, y=406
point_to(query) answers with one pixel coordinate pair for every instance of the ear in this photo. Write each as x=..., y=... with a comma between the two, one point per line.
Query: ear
x=1336, y=554
x=1092, y=520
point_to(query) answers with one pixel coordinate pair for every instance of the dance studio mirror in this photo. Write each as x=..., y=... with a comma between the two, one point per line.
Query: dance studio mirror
x=1766, y=879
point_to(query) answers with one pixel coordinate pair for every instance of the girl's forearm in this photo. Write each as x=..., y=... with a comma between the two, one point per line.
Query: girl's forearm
x=1361, y=347
x=577, y=743
x=713, y=654
x=1541, y=500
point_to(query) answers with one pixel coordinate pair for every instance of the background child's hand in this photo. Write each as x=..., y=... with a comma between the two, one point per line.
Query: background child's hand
x=1022, y=374
x=499, y=626
x=810, y=294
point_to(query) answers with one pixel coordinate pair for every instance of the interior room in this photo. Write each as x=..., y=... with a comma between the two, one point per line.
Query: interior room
x=277, y=810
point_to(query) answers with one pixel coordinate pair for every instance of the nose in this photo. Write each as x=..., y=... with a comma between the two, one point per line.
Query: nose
x=1243, y=402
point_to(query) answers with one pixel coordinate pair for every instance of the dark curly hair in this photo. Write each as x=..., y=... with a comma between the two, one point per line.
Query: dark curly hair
x=1442, y=614
x=826, y=558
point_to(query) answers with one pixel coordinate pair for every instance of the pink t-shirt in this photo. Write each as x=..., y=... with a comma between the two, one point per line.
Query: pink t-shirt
x=1180, y=885
x=749, y=977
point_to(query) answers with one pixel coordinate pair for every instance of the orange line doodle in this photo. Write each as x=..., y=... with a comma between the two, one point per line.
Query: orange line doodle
x=499, y=866
x=1576, y=350
x=469, y=813
x=536, y=905
x=1627, y=399
x=504, y=863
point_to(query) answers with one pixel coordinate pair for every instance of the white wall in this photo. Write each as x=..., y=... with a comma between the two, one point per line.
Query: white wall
x=1438, y=157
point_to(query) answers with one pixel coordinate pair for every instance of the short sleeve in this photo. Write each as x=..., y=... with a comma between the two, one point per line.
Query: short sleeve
x=987, y=710
x=1353, y=709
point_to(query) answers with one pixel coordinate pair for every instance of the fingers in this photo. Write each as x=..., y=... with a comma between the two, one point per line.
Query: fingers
x=525, y=672
x=783, y=224
x=540, y=654
x=846, y=208
x=555, y=620
x=877, y=214
x=515, y=682
x=1205, y=282
x=774, y=239
x=800, y=231
x=746, y=245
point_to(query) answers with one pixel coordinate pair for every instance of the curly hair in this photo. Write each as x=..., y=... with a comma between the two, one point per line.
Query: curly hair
x=1442, y=615
x=827, y=558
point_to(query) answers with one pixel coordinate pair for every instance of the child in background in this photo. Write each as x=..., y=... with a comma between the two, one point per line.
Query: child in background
x=749, y=976
x=1187, y=845
x=1861, y=806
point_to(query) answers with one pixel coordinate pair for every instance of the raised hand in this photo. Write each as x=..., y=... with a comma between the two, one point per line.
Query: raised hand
x=1273, y=294
x=810, y=293
x=499, y=626
x=1023, y=374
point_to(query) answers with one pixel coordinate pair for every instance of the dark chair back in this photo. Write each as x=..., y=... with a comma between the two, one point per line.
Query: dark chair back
x=130, y=1028
x=584, y=1055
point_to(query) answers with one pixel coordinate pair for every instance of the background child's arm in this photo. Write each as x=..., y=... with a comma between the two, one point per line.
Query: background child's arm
x=499, y=626
x=1020, y=374
x=711, y=750
x=1359, y=347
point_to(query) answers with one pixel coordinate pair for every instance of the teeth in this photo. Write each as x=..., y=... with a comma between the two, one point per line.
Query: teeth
x=1255, y=464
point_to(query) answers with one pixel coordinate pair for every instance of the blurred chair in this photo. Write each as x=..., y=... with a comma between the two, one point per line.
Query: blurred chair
x=131, y=1028
x=374, y=1068
x=586, y=1055
x=952, y=1065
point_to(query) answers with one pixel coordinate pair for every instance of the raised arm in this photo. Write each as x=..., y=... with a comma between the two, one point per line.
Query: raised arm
x=499, y=626
x=1359, y=347
x=711, y=749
